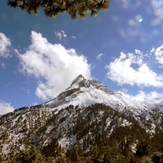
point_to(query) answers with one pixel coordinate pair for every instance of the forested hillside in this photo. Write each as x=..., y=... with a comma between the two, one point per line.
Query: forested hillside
x=95, y=134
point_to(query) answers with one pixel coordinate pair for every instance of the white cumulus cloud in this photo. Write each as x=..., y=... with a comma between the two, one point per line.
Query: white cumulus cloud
x=4, y=44
x=5, y=108
x=52, y=65
x=131, y=69
x=60, y=34
x=158, y=54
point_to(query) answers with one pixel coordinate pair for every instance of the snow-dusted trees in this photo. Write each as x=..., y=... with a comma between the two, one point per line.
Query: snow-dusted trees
x=75, y=8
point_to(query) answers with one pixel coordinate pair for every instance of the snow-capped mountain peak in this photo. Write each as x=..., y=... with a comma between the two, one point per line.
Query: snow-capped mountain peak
x=82, y=92
x=85, y=92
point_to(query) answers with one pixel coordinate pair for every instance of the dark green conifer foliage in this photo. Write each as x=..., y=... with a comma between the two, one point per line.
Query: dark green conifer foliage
x=52, y=8
x=31, y=155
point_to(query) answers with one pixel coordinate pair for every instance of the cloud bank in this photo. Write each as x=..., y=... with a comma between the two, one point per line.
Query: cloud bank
x=143, y=96
x=5, y=108
x=52, y=65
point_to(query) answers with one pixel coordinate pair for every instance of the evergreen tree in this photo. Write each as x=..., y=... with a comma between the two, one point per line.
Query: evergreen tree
x=75, y=8
x=31, y=155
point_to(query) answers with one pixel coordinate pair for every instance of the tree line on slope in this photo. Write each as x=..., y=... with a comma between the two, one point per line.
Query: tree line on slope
x=103, y=154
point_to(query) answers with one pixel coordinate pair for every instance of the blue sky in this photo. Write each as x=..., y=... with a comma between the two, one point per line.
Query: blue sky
x=122, y=47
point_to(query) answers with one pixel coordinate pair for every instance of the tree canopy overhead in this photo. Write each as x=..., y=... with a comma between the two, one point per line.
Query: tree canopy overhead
x=75, y=8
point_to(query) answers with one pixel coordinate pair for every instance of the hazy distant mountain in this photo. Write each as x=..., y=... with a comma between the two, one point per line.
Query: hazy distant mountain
x=87, y=115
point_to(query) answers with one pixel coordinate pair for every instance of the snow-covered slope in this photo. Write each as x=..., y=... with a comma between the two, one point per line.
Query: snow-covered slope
x=84, y=93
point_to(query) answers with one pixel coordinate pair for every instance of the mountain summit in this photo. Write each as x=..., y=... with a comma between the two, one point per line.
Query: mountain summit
x=84, y=92
x=78, y=80
x=81, y=122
